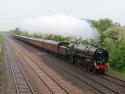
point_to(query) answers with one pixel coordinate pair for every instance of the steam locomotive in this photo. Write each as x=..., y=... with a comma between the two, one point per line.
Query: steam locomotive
x=85, y=56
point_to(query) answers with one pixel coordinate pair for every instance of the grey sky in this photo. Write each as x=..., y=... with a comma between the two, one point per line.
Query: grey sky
x=12, y=12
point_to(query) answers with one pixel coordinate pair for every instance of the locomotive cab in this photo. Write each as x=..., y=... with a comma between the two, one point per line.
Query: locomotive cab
x=63, y=50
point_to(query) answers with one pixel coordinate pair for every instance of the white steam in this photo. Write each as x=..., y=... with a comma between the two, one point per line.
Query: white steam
x=61, y=25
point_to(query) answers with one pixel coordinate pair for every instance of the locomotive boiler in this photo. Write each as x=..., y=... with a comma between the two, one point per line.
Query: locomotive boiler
x=92, y=58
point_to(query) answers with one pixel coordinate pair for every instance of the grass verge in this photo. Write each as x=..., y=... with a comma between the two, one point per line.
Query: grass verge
x=1, y=74
x=117, y=73
x=1, y=66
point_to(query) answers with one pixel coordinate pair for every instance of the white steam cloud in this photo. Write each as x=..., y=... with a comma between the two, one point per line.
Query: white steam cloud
x=61, y=25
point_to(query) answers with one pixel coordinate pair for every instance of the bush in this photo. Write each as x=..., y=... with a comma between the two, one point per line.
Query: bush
x=114, y=42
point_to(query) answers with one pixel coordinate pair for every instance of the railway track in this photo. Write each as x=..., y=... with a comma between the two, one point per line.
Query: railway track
x=48, y=81
x=100, y=87
x=33, y=61
x=114, y=80
x=52, y=85
x=21, y=82
x=90, y=82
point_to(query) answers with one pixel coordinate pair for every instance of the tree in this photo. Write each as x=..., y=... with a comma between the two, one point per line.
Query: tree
x=17, y=31
x=115, y=33
x=114, y=42
x=103, y=24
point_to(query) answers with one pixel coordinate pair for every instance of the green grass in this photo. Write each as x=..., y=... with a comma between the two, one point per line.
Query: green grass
x=1, y=40
x=117, y=72
x=1, y=62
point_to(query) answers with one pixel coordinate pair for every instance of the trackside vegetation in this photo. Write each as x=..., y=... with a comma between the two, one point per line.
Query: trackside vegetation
x=57, y=38
x=1, y=39
x=112, y=39
x=114, y=42
x=45, y=36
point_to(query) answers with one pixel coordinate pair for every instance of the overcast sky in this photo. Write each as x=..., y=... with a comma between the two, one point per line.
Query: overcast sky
x=13, y=12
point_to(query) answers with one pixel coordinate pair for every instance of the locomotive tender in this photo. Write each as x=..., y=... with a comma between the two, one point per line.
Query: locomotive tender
x=92, y=58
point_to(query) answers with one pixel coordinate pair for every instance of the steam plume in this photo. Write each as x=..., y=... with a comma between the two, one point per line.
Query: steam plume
x=59, y=24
